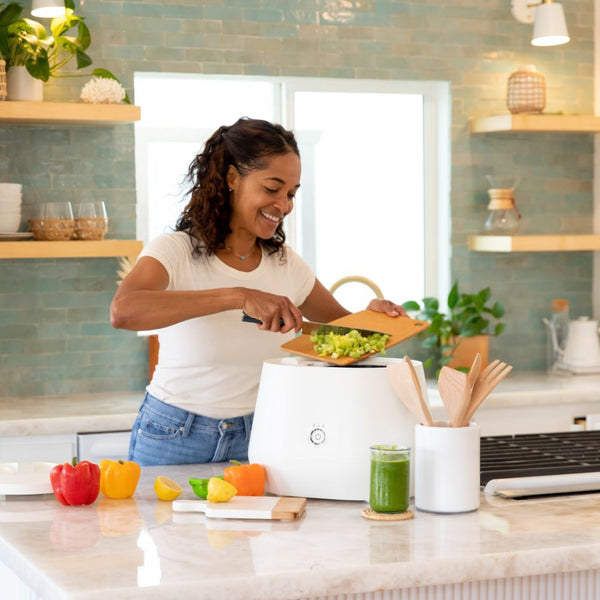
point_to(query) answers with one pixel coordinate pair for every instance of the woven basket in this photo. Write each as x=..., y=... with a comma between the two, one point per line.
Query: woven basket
x=90, y=228
x=526, y=91
x=52, y=229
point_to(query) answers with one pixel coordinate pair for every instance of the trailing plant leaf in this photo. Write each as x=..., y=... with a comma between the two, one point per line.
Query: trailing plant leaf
x=466, y=317
x=8, y=15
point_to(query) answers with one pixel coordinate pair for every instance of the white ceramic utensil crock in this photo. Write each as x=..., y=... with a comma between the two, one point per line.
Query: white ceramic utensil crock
x=447, y=468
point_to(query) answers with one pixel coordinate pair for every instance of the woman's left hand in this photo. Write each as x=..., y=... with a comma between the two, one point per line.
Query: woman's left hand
x=387, y=307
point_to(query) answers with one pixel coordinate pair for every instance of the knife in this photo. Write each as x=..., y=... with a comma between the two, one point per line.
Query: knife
x=309, y=327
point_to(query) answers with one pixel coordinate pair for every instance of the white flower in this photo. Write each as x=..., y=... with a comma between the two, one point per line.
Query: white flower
x=101, y=90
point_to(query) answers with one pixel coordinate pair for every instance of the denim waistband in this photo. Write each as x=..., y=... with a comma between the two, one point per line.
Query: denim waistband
x=185, y=420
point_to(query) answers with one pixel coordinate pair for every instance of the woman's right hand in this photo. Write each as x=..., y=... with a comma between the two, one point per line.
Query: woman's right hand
x=272, y=309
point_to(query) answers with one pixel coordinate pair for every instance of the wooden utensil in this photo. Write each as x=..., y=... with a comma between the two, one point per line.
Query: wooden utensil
x=423, y=405
x=399, y=329
x=472, y=376
x=246, y=507
x=486, y=382
x=452, y=385
x=404, y=387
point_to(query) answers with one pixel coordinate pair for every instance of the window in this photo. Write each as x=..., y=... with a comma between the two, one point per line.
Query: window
x=375, y=159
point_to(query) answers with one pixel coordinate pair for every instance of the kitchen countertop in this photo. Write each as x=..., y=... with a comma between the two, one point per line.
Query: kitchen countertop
x=22, y=416
x=139, y=548
x=49, y=415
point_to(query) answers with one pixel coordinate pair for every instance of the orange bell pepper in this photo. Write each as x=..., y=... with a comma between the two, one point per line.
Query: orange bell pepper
x=118, y=479
x=248, y=480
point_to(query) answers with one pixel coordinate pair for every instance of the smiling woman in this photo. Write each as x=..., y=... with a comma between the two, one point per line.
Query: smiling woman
x=227, y=257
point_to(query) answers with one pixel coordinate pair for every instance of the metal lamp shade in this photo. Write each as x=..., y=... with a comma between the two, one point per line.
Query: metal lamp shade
x=47, y=8
x=550, y=27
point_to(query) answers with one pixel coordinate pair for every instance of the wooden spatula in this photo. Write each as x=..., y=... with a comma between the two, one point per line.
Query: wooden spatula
x=472, y=376
x=452, y=385
x=403, y=386
x=490, y=377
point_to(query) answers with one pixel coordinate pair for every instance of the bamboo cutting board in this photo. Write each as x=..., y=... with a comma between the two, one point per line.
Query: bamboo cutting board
x=399, y=328
x=246, y=507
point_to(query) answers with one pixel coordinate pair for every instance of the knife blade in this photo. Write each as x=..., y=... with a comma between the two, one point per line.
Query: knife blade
x=309, y=327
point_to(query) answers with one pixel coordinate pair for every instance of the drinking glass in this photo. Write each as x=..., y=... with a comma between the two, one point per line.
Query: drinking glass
x=59, y=210
x=90, y=220
x=57, y=224
x=390, y=478
x=90, y=210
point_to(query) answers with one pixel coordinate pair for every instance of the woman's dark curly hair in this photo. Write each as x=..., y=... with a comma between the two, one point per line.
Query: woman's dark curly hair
x=248, y=145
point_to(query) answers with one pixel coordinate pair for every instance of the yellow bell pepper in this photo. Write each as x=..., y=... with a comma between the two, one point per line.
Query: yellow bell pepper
x=118, y=479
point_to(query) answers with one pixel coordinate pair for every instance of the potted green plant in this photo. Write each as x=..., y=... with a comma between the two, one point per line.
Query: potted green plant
x=469, y=316
x=27, y=46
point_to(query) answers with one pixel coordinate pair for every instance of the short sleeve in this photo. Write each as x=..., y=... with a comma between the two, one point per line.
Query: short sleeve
x=170, y=250
x=302, y=276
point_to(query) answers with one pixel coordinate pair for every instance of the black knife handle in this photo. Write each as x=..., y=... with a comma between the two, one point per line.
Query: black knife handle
x=248, y=319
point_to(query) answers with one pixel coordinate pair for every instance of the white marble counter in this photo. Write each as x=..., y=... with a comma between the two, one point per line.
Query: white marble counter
x=68, y=414
x=138, y=548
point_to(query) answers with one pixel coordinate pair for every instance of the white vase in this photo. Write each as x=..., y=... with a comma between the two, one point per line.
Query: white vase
x=22, y=86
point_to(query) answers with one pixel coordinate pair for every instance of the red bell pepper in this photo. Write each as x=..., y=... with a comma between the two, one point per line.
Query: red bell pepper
x=248, y=480
x=76, y=483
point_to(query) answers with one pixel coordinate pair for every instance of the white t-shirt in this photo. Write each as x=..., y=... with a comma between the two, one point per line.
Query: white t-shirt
x=211, y=365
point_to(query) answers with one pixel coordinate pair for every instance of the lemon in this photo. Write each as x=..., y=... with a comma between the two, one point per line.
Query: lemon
x=166, y=489
x=219, y=490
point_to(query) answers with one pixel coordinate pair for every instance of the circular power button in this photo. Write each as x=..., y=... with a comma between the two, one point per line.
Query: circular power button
x=317, y=436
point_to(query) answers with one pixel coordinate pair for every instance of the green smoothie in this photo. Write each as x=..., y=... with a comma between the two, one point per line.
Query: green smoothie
x=390, y=479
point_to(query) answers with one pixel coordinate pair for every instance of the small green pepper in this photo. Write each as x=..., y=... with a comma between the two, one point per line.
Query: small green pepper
x=200, y=486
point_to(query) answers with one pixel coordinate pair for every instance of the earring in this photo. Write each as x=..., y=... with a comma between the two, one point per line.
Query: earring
x=230, y=190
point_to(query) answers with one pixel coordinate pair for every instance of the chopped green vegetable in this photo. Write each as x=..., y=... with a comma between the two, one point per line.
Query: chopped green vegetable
x=352, y=344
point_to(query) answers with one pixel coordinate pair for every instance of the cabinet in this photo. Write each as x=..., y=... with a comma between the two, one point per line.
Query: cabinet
x=535, y=123
x=58, y=448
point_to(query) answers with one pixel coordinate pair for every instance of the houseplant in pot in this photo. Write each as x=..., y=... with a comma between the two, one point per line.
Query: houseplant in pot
x=457, y=334
x=31, y=51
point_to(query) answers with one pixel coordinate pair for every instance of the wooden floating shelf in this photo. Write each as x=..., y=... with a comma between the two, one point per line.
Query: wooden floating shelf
x=534, y=243
x=536, y=122
x=70, y=249
x=68, y=113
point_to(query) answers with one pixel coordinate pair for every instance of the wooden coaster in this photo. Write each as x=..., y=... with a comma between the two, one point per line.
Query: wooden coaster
x=369, y=513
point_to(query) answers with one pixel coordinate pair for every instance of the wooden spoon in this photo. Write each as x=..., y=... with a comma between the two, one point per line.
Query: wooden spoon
x=452, y=385
x=417, y=384
x=403, y=385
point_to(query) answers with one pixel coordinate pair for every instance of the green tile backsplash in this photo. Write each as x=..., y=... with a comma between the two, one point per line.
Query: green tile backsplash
x=55, y=337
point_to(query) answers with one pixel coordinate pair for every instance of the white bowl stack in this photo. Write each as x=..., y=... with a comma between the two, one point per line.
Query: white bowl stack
x=10, y=207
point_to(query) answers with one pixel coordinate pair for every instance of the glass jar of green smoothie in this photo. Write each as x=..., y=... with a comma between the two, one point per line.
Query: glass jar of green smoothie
x=390, y=478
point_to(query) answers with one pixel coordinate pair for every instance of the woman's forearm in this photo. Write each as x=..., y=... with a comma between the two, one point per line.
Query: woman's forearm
x=140, y=310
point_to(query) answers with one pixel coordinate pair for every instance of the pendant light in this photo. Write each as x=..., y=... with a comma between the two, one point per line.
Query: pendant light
x=548, y=18
x=47, y=9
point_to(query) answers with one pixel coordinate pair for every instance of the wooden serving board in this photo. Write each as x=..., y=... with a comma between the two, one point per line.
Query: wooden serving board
x=399, y=328
x=247, y=507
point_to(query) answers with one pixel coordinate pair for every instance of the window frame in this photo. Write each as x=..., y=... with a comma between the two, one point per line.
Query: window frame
x=436, y=148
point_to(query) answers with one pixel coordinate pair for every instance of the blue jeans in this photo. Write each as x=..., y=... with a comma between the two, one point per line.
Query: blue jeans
x=166, y=435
